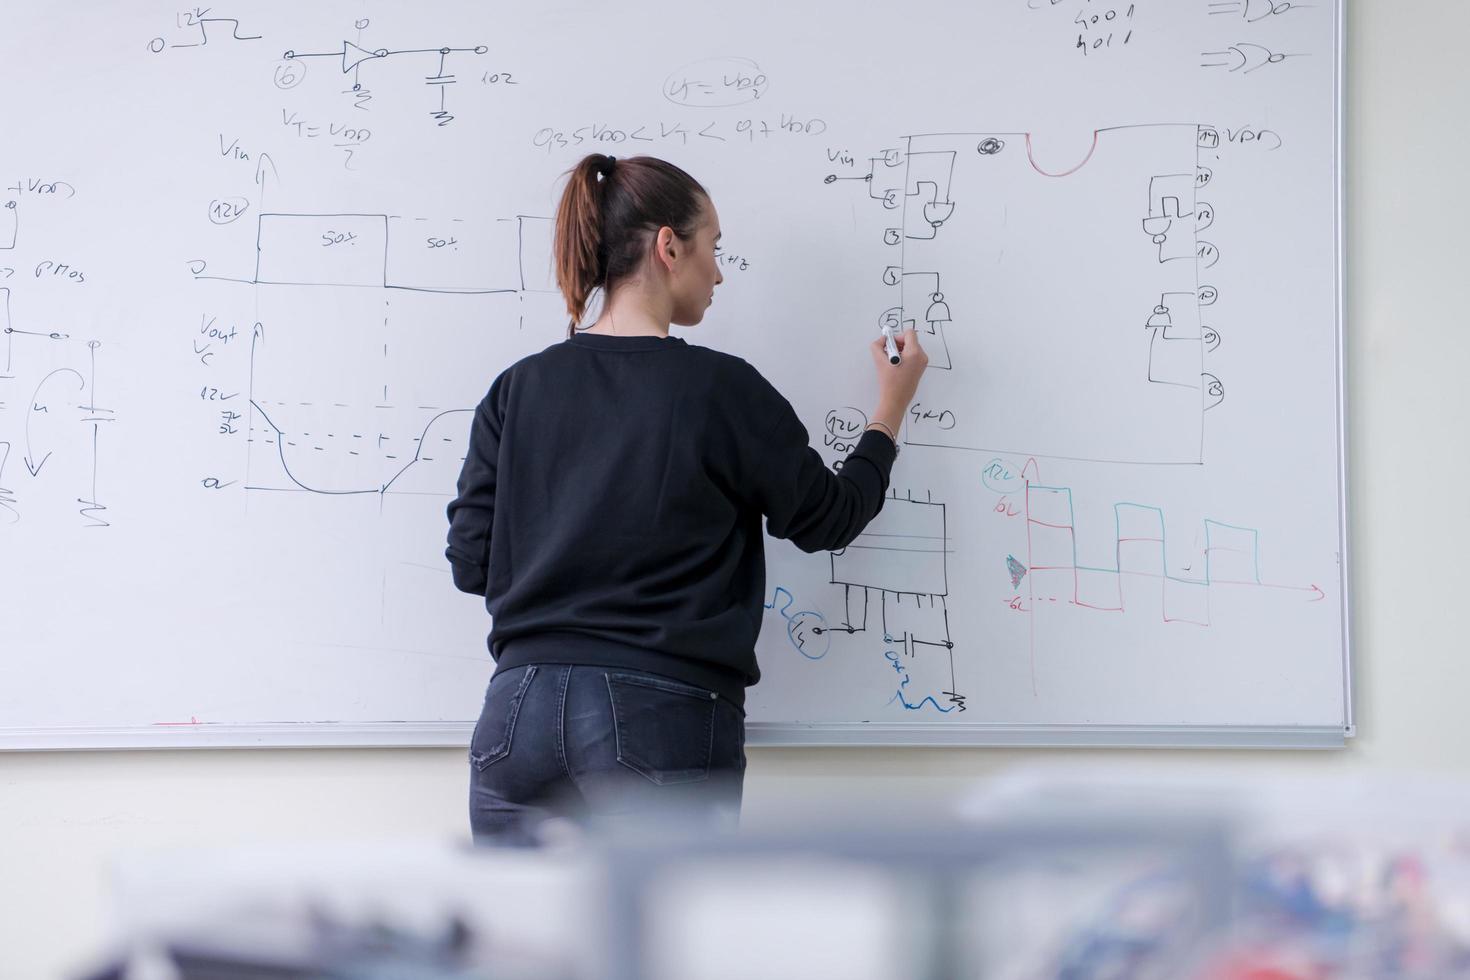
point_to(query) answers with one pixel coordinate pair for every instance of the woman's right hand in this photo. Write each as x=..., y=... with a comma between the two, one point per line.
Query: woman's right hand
x=897, y=383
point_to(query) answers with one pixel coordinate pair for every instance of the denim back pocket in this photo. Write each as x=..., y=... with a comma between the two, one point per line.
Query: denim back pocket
x=665, y=730
x=491, y=741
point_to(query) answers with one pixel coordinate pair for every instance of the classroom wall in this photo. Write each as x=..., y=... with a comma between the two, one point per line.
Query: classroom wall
x=63, y=815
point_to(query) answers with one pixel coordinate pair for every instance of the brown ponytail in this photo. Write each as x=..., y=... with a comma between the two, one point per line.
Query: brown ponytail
x=608, y=216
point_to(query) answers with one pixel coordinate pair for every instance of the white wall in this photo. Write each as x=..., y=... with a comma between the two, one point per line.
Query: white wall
x=62, y=815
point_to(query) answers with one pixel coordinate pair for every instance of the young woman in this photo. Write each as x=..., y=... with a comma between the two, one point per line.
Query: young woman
x=610, y=512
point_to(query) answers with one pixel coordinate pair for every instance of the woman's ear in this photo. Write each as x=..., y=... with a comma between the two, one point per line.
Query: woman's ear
x=664, y=247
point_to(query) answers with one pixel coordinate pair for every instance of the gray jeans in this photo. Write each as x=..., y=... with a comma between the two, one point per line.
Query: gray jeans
x=608, y=749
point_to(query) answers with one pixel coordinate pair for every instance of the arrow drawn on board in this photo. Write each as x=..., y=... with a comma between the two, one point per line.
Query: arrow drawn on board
x=260, y=175
x=36, y=406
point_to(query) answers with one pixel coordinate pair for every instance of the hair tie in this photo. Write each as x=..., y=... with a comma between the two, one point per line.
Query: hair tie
x=607, y=168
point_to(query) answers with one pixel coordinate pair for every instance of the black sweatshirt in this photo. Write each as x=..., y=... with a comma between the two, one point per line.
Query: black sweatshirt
x=611, y=499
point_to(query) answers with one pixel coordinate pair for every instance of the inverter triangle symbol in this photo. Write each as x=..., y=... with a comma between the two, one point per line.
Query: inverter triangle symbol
x=352, y=56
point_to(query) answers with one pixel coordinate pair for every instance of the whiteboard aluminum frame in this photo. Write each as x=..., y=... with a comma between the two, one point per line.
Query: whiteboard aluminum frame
x=456, y=734
x=1344, y=562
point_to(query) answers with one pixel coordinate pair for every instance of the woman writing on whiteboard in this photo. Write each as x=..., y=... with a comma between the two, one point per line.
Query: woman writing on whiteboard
x=610, y=512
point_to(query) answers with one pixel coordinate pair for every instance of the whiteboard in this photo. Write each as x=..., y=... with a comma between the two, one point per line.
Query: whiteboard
x=258, y=263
